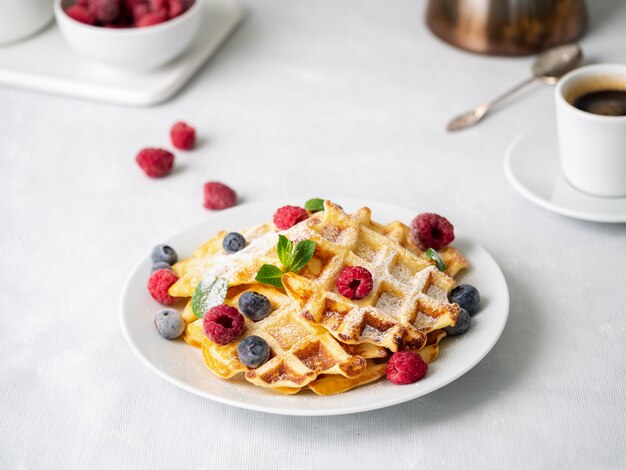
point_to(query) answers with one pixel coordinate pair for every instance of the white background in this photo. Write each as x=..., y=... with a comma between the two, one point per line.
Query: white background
x=307, y=99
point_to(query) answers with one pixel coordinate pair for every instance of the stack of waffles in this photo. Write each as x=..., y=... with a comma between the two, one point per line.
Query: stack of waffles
x=318, y=338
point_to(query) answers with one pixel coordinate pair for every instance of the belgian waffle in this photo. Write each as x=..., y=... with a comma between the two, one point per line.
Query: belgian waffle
x=191, y=270
x=319, y=338
x=300, y=351
x=409, y=296
x=333, y=384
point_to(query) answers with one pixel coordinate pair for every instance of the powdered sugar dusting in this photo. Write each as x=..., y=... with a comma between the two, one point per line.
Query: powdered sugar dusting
x=388, y=303
x=372, y=333
x=401, y=272
x=227, y=266
x=331, y=232
x=437, y=294
x=365, y=251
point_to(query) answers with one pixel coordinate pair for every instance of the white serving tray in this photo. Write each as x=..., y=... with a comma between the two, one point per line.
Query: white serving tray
x=45, y=63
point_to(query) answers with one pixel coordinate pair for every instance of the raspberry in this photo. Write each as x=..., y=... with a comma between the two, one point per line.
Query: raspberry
x=130, y=5
x=406, y=367
x=430, y=230
x=183, y=136
x=80, y=14
x=105, y=11
x=139, y=11
x=155, y=162
x=151, y=18
x=355, y=282
x=218, y=196
x=223, y=324
x=176, y=8
x=159, y=4
x=288, y=216
x=158, y=285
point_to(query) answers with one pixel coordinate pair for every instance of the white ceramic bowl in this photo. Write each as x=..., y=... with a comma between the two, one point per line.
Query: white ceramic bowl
x=21, y=18
x=130, y=48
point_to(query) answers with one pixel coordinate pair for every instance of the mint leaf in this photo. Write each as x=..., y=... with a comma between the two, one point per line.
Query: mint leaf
x=314, y=205
x=292, y=259
x=209, y=292
x=270, y=275
x=432, y=254
x=284, y=250
x=302, y=254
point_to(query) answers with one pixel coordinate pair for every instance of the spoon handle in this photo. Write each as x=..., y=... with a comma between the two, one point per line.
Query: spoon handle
x=475, y=115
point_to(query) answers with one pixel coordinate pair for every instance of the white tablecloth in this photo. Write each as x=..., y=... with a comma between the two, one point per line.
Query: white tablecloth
x=307, y=98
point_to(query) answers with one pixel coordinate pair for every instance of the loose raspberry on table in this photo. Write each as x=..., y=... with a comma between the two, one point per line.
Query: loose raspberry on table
x=105, y=11
x=155, y=162
x=287, y=216
x=355, y=282
x=223, y=324
x=218, y=196
x=183, y=136
x=158, y=285
x=406, y=367
x=430, y=230
x=80, y=14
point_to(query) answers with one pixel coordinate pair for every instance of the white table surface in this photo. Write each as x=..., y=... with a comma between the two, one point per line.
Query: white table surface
x=306, y=99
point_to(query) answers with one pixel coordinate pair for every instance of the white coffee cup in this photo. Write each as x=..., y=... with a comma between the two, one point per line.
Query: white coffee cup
x=592, y=146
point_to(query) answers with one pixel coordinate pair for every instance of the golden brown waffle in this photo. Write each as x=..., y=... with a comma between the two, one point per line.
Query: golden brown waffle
x=318, y=337
x=409, y=296
x=400, y=233
x=300, y=351
x=334, y=384
x=191, y=270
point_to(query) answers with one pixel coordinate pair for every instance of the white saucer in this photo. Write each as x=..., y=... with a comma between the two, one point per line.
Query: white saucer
x=45, y=63
x=532, y=167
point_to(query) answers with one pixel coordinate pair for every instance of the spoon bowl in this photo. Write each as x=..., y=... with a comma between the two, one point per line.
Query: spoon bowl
x=556, y=62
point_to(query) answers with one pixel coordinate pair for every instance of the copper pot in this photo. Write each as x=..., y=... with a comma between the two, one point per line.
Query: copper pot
x=507, y=27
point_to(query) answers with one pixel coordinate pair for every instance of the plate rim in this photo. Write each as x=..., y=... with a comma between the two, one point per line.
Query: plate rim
x=534, y=198
x=353, y=409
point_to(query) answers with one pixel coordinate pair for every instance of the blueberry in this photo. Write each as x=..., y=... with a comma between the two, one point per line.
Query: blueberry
x=253, y=351
x=169, y=323
x=160, y=265
x=462, y=324
x=467, y=297
x=233, y=242
x=255, y=306
x=164, y=253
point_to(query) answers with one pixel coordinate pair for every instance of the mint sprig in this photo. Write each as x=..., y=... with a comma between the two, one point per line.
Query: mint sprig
x=301, y=255
x=314, y=205
x=292, y=258
x=284, y=250
x=271, y=275
x=433, y=255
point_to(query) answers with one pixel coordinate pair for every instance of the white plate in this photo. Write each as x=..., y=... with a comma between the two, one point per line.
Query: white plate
x=182, y=364
x=45, y=63
x=532, y=167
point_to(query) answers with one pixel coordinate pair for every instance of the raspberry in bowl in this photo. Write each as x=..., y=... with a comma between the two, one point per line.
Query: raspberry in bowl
x=134, y=35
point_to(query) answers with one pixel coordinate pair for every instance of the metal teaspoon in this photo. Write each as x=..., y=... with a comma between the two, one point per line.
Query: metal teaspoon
x=548, y=68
